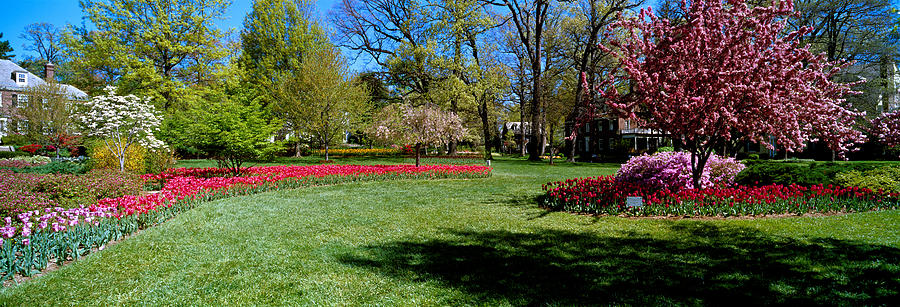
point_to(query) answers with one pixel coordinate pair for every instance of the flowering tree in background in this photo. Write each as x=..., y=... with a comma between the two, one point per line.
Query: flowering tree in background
x=121, y=121
x=725, y=76
x=424, y=125
x=887, y=128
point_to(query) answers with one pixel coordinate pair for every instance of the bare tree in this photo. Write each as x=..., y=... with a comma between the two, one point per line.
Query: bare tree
x=596, y=15
x=529, y=19
x=44, y=39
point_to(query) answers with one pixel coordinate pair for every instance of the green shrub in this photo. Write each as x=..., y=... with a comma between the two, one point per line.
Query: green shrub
x=58, y=168
x=13, y=154
x=883, y=178
x=761, y=172
x=665, y=149
x=14, y=140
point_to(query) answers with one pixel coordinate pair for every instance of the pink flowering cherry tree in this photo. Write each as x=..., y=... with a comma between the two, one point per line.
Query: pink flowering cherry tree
x=726, y=75
x=121, y=121
x=887, y=128
x=423, y=125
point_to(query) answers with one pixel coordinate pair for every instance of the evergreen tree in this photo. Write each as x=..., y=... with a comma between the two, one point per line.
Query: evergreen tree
x=5, y=49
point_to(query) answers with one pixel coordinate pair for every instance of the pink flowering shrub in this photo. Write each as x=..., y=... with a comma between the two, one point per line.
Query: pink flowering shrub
x=25, y=192
x=672, y=171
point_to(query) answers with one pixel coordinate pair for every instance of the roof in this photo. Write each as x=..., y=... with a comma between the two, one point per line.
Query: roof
x=7, y=68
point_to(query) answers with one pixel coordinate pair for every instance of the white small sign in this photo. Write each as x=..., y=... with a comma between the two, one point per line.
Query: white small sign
x=634, y=201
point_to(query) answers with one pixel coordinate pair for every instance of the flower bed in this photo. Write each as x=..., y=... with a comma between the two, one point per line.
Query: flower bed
x=58, y=234
x=606, y=195
x=25, y=192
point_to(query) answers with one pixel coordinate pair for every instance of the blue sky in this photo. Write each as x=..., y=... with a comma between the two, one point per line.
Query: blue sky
x=18, y=14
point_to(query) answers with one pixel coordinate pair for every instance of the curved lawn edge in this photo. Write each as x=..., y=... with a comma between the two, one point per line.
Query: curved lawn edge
x=30, y=253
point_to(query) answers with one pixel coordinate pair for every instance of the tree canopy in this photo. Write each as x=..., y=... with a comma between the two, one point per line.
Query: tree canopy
x=733, y=62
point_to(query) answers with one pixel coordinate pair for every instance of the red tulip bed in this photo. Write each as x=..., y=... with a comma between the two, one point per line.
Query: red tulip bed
x=34, y=238
x=607, y=196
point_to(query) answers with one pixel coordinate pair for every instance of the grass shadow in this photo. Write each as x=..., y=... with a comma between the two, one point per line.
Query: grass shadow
x=699, y=264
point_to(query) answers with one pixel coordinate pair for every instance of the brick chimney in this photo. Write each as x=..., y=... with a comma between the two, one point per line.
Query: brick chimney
x=49, y=72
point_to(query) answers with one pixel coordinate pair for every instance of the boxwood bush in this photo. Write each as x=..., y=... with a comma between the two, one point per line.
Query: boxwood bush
x=882, y=178
x=760, y=172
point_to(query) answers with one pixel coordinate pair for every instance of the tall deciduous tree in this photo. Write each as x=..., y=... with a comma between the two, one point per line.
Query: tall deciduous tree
x=422, y=125
x=322, y=98
x=727, y=75
x=162, y=47
x=591, y=17
x=48, y=111
x=529, y=18
x=278, y=36
x=859, y=31
x=45, y=40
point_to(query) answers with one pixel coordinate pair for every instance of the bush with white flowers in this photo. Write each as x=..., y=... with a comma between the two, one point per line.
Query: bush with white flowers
x=121, y=121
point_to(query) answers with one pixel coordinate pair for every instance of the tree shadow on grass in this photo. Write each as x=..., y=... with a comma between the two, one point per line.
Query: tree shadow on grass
x=700, y=264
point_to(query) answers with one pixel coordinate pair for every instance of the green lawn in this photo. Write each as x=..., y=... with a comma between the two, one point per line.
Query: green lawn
x=474, y=242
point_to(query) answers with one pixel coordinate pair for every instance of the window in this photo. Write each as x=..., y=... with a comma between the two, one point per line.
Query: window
x=21, y=78
x=22, y=101
x=2, y=125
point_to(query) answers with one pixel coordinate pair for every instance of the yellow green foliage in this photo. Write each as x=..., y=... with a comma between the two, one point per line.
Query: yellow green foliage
x=884, y=178
x=103, y=158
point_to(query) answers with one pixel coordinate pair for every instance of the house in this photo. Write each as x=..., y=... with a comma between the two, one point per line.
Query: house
x=614, y=137
x=511, y=133
x=14, y=80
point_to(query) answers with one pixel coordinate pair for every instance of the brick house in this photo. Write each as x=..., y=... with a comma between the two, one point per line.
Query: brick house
x=614, y=137
x=14, y=80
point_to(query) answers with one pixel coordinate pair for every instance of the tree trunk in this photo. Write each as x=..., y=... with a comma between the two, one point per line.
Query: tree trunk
x=569, y=147
x=326, y=151
x=522, y=126
x=550, y=136
x=418, y=151
x=698, y=163
x=297, y=145
x=451, y=148
x=485, y=128
x=537, y=137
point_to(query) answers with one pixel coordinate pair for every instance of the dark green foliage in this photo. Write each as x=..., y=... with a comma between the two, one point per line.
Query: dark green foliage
x=13, y=154
x=228, y=130
x=764, y=172
x=58, y=168
x=5, y=49
x=14, y=140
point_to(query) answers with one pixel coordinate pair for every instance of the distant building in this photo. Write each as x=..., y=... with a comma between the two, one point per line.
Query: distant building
x=14, y=80
x=614, y=138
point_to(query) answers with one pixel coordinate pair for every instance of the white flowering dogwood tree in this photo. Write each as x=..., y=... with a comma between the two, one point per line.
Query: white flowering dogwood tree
x=121, y=121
